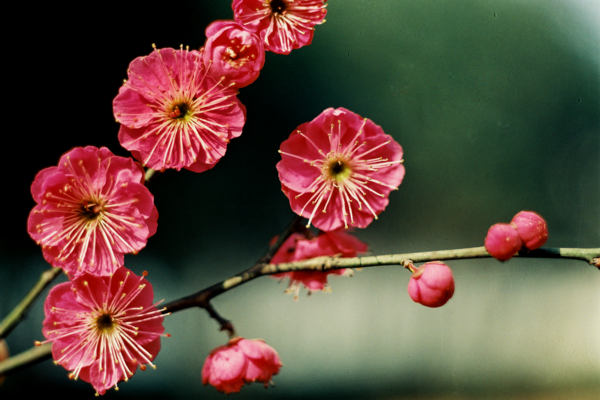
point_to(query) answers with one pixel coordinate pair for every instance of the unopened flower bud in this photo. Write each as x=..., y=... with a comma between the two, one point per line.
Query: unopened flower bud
x=431, y=284
x=502, y=241
x=532, y=229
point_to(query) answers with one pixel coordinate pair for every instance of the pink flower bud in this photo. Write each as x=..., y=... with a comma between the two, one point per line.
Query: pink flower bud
x=532, y=229
x=431, y=284
x=502, y=241
x=233, y=54
x=240, y=361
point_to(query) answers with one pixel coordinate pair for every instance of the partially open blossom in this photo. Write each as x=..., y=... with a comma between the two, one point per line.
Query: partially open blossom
x=102, y=328
x=282, y=24
x=339, y=169
x=502, y=241
x=91, y=209
x=240, y=361
x=173, y=114
x=532, y=229
x=431, y=284
x=298, y=248
x=233, y=54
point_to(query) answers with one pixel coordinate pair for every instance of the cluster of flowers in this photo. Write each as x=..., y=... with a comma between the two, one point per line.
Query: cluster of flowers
x=527, y=230
x=177, y=109
x=91, y=210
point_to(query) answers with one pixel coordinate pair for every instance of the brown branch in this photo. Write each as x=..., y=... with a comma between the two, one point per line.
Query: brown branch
x=202, y=298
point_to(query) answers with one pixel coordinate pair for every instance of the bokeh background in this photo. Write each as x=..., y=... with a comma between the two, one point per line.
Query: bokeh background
x=497, y=107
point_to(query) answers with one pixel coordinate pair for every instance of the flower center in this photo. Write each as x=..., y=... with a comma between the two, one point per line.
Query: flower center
x=237, y=54
x=105, y=323
x=90, y=209
x=179, y=111
x=338, y=169
x=278, y=6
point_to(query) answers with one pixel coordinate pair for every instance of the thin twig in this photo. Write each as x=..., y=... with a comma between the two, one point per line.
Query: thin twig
x=18, y=313
x=202, y=298
x=25, y=359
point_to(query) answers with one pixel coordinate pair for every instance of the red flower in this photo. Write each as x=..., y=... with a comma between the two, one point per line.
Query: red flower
x=102, y=328
x=297, y=248
x=240, y=361
x=431, y=284
x=339, y=169
x=233, y=53
x=283, y=25
x=173, y=114
x=91, y=209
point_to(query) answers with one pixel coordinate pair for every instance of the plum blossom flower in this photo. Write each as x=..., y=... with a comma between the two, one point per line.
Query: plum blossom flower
x=431, y=284
x=240, y=361
x=339, y=169
x=283, y=25
x=233, y=54
x=91, y=209
x=102, y=328
x=297, y=248
x=173, y=114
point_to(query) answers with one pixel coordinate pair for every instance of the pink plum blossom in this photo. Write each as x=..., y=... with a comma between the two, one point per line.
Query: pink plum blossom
x=102, y=328
x=283, y=25
x=233, y=54
x=502, y=241
x=431, y=284
x=297, y=248
x=532, y=229
x=240, y=361
x=174, y=114
x=91, y=209
x=339, y=169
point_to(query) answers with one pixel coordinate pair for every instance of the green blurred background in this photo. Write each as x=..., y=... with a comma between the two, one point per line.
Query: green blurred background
x=497, y=107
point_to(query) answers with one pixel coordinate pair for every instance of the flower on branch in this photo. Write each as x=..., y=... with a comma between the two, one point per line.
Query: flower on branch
x=431, y=284
x=174, y=114
x=503, y=241
x=339, y=169
x=91, y=209
x=233, y=54
x=297, y=248
x=283, y=25
x=532, y=229
x=102, y=328
x=240, y=361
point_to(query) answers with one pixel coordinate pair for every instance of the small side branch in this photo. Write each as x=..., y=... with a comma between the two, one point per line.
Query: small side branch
x=25, y=359
x=226, y=324
x=18, y=313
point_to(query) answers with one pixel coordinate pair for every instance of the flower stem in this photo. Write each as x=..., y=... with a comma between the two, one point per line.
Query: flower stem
x=149, y=173
x=18, y=313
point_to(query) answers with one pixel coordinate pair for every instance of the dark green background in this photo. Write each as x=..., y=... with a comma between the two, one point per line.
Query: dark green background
x=497, y=107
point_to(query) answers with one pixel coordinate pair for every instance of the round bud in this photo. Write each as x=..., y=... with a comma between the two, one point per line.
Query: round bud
x=532, y=229
x=502, y=241
x=431, y=284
